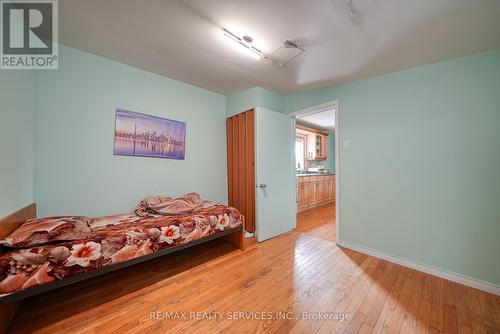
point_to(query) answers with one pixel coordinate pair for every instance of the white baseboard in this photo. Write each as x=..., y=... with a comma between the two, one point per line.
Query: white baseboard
x=451, y=276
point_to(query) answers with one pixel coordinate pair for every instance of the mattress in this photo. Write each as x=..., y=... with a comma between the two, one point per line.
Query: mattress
x=114, y=239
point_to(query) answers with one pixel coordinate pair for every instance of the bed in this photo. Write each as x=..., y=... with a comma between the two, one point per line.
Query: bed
x=115, y=242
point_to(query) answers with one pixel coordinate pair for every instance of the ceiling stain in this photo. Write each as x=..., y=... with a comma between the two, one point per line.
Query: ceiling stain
x=354, y=14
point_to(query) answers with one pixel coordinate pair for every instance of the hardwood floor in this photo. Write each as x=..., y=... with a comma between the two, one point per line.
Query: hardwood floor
x=301, y=271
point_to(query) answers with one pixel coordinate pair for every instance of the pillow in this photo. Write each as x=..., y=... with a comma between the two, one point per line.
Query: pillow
x=103, y=222
x=39, y=231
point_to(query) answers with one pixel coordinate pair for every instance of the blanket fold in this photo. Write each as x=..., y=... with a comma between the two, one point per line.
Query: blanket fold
x=169, y=206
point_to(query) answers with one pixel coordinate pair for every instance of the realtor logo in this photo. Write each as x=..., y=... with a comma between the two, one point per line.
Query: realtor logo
x=29, y=35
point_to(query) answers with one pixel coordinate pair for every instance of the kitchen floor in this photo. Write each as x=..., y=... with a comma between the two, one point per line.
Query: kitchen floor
x=318, y=221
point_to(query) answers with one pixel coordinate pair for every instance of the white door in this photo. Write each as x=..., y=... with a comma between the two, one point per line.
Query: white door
x=275, y=175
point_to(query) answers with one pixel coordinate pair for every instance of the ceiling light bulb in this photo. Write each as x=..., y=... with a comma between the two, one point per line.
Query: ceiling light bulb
x=243, y=44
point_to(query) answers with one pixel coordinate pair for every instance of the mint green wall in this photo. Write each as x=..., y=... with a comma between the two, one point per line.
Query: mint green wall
x=270, y=100
x=251, y=98
x=242, y=101
x=76, y=172
x=16, y=140
x=421, y=181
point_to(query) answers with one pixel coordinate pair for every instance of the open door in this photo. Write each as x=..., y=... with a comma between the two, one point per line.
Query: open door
x=275, y=176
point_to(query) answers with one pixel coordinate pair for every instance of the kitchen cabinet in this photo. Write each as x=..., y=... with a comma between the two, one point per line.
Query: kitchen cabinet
x=317, y=146
x=320, y=191
x=315, y=190
x=316, y=143
x=312, y=191
x=330, y=189
x=306, y=193
x=302, y=194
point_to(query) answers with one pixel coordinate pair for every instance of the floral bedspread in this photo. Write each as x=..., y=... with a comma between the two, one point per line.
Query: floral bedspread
x=114, y=239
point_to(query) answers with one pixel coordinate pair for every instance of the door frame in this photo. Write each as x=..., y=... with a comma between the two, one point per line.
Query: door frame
x=333, y=104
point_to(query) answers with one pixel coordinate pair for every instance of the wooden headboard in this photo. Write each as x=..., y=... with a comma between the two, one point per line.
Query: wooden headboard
x=16, y=219
x=7, y=225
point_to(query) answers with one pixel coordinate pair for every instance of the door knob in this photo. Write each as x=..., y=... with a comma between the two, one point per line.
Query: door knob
x=263, y=186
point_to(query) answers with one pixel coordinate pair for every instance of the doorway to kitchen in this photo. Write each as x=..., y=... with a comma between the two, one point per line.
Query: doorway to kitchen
x=317, y=167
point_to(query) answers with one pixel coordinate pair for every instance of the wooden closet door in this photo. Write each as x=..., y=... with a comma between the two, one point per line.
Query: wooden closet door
x=242, y=148
x=241, y=165
x=250, y=170
x=235, y=163
x=229, y=146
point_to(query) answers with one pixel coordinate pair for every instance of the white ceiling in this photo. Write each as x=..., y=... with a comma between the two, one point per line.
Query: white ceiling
x=323, y=120
x=344, y=39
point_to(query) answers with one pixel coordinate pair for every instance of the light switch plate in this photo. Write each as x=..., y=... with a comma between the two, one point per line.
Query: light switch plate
x=347, y=145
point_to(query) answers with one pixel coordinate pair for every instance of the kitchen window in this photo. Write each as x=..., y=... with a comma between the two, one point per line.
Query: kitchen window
x=300, y=149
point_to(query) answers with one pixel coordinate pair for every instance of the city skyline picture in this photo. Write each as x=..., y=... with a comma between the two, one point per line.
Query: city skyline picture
x=143, y=135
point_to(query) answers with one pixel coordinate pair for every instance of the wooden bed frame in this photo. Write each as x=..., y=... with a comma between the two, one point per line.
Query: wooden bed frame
x=9, y=305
